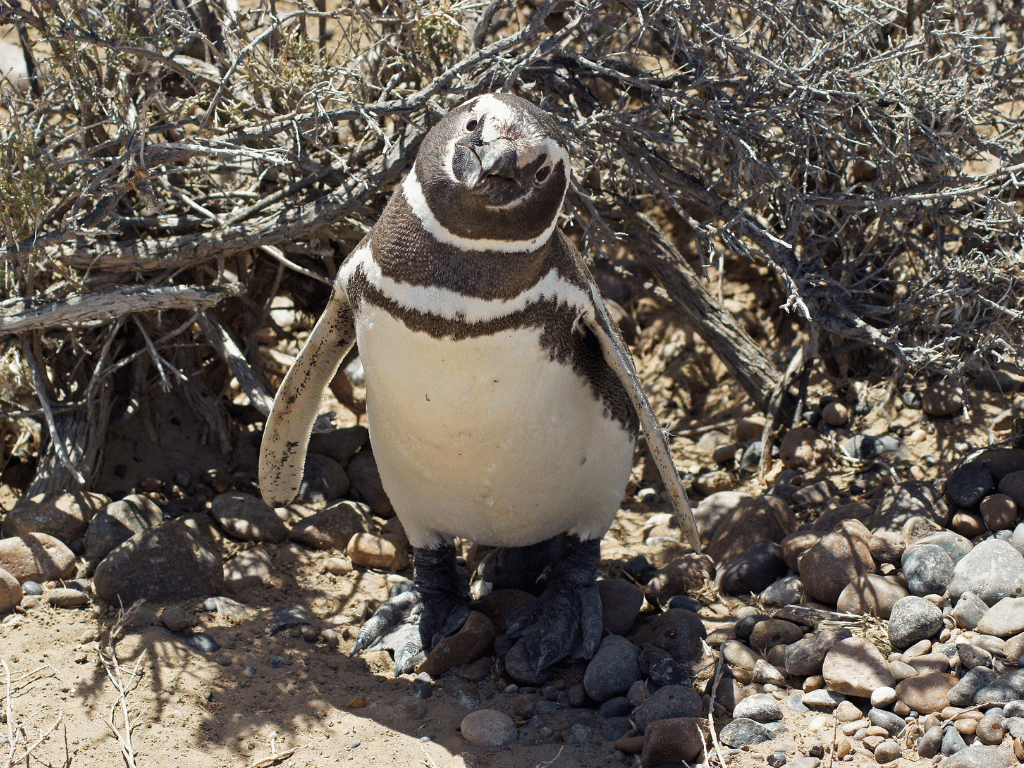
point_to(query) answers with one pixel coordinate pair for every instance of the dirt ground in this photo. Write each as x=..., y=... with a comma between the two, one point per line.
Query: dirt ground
x=284, y=700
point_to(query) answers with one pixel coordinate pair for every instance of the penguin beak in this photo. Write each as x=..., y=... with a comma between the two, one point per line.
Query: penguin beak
x=494, y=159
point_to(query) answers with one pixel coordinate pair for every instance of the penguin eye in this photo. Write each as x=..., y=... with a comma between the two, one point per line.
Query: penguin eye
x=543, y=173
x=471, y=125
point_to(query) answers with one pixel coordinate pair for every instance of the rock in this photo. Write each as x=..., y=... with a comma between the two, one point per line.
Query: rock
x=981, y=757
x=798, y=448
x=971, y=656
x=907, y=500
x=913, y=619
x=661, y=669
x=928, y=569
x=677, y=631
x=835, y=414
x=753, y=570
x=990, y=730
x=822, y=700
x=1004, y=619
x=248, y=570
x=10, y=591
x=672, y=740
x=613, y=669
x=166, y=563
x=395, y=710
x=762, y=707
x=743, y=732
x=893, y=723
x=835, y=561
x=65, y=597
x=884, y=696
x=339, y=444
x=769, y=632
x=713, y=509
x=927, y=692
x=968, y=610
x=929, y=744
x=968, y=524
x=739, y=655
x=333, y=527
x=764, y=673
x=952, y=741
x=64, y=515
x=1012, y=485
x=867, y=447
x=872, y=595
x=943, y=398
x=887, y=546
x=323, y=480
x=621, y=601
x=854, y=667
x=969, y=483
x=830, y=519
x=688, y=573
x=796, y=544
x=667, y=702
x=365, y=479
x=248, y=518
x=999, y=512
x=888, y=751
x=1003, y=690
x=785, y=591
x=36, y=557
x=488, y=728
x=369, y=551
x=467, y=695
x=754, y=520
x=992, y=570
x=749, y=428
x=805, y=657
x=118, y=522
x=174, y=618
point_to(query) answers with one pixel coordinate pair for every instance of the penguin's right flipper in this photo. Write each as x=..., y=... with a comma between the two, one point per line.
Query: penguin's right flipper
x=412, y=622
x=286, y=436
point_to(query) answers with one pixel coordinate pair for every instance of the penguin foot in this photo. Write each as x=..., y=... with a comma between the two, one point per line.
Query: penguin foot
x=567, y=619
x=413, y=621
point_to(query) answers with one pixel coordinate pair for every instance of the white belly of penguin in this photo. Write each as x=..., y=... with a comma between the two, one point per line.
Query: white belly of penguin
x=487, y=438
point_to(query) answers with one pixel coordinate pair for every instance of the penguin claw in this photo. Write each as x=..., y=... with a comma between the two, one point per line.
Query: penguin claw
x=564, y=621
x=395, y=627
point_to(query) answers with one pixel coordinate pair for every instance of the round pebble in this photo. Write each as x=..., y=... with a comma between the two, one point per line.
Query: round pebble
x=488, y=728
x=883, y=696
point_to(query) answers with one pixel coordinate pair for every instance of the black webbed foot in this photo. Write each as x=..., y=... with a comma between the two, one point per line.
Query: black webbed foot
x=411, y=622
x=566, y=620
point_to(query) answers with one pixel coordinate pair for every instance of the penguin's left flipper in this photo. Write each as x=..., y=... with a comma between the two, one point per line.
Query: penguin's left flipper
x=567, y=619
x=412, y=622
x=286, y=435
x=618, y=358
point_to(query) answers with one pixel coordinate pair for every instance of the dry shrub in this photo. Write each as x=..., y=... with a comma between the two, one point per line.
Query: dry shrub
x=173, y=169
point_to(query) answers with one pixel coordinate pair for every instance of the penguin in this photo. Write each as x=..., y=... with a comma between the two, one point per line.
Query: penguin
x=502, y=404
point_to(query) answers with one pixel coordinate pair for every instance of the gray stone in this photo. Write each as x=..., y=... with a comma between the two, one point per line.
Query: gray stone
x=323, y=480
x=906, y=500
x=930, y=743
x=614, y=728
x=488, y=728
x=661, y=669
x=339, y=444
x=892, y=722
x=871, y=594
x=1004, y=619
x=968, y=610
x=913, y=619
x=956, y=546
x=333, y=527
x=248, y=518
x=992, y=570
x=805, y=657
x=753, y=570
x=977, y=756
x=928, y=569
x=968, y=484
x=1003, y=690
x=118, y=522
x=677, y=631
x=794, y=703
x=972, y=656
x=670, y=701
x=745, y=732
x=785, y=591
x=621, y=601
x=163, y=564
x=822, y=699
x=762, y=707
x=613, y=669
x=952, y=741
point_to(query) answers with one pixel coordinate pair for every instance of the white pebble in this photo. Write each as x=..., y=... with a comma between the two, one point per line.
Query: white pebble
x=883, y=697
x=818, y=723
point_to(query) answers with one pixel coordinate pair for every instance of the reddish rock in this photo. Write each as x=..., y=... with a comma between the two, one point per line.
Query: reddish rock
x=926, y=693
x=333, y=527
x=999, y=512
x=795, y=544
x=854, y=667
x=64, y=515
x=675, y=740
x=798, y=448
x=464, y=647
x=870, y=594
x=36, y=557
x=684, y=575
x=10, y=591
x=368, y=551
x=836, y=560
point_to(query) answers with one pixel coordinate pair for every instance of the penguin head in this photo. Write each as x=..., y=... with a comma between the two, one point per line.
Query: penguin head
x=494, y=169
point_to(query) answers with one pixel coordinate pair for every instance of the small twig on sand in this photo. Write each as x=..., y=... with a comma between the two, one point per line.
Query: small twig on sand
x=111, y=665
x=719, y=668
x=16, y=731
x=266, y=762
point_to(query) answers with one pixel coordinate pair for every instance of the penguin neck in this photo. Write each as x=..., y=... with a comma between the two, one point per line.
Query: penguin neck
x=407, y=251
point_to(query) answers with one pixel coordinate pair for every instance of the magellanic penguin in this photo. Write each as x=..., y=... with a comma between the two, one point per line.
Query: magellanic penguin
x=502, y=403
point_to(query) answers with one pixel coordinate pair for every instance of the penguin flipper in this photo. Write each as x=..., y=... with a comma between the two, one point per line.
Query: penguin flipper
x=286, y=435
x=620, y=361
